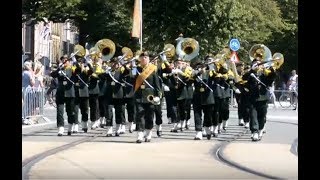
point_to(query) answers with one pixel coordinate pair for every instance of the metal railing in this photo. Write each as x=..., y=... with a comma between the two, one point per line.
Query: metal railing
x=33, y=100
x=282, y=98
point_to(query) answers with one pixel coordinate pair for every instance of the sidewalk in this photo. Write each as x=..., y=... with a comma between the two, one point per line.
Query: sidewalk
x=273, y=159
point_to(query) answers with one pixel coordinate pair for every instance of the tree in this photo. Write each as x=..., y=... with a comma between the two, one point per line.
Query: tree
x=212, y=22
x=286, y=42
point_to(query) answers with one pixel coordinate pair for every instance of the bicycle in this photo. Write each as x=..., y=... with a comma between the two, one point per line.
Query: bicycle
x=289, y=99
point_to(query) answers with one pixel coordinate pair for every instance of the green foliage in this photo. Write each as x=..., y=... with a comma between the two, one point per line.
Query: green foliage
x=53, y=10
x=211, y=22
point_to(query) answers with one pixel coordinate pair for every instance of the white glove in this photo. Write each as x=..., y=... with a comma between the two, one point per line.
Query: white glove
x=237, y=91
x=177, y=71
x=88, y=59
x=156, y=99
x=74, y=59
x=163, y=57
x=255, y=66
x=166, y=88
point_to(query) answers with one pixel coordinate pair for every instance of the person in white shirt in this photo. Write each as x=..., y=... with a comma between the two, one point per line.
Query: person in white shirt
x=293, y=86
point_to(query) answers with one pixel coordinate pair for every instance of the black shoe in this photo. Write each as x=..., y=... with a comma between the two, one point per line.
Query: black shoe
x=181, y=129
x=59, y=134
x=85, y=130
x=224, y=128
x=219, y=131
x=69, y=133
x=74, y=132
x=208, y=136
x=214, y=135
x=109, y=135
x=147, y=140
x=187, y=127
x=159, y=133
x=117, y=134
x=196, y=138
x=174, y=130
x=139, y=141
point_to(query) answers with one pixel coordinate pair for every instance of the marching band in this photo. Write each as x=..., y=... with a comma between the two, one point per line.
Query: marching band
x=96, y=82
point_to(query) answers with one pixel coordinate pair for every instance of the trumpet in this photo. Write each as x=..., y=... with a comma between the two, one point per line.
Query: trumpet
x=155, y=100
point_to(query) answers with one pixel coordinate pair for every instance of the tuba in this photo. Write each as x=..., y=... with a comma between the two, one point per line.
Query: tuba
x=187, y=49
x=107, y=48
x=260, y=50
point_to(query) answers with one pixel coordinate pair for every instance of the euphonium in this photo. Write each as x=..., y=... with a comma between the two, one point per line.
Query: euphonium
x=153, y=99
x=79, y=50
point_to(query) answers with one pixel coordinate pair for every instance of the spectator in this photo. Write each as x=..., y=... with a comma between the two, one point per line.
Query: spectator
x=292, y=83
x=293, y=86
x=27, y=75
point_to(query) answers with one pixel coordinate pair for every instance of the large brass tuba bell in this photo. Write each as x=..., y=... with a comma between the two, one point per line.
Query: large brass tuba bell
x=107, y=48
x=187, y=49
x=79, y=50
x=260, y=50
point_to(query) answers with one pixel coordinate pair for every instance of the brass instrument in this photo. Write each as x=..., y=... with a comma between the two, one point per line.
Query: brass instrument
x=127, y=52
x=277, y=60
x=107, y=48
x=260, y=50
x=187, y=49
x=170, y=50
x=79, y=50
x=155, y=100
x=94, y=53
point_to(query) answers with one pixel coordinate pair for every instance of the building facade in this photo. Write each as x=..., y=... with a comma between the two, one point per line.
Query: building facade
x=47, y=41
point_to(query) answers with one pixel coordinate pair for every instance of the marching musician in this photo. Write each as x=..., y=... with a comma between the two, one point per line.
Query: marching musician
x=128, y=79
x=82, y=94
x=147, y=93
x=67, y=77
x=94, y=70
x=259, y=79
x=162, y=67
x=169, y=92
x=117, y=86
x=60, y=100
x=203, y=99
x=189, y=96
x=107, y=96
x=101, y=99
x=180, y=78
x=242, y=98
x=226, y=82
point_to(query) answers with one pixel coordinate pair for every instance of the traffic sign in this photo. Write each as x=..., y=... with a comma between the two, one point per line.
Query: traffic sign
x=234, y=44
x=234, y=57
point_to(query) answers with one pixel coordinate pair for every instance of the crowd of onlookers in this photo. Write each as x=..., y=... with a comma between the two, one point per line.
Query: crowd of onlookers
x=32, y=77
